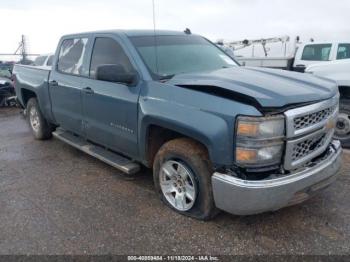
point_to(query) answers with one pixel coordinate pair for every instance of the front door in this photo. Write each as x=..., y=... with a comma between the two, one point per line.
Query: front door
x=111, y=109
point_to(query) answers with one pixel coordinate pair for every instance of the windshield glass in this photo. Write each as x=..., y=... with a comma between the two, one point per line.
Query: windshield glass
x=180, y=54
x=39, y=61
x=5, y=71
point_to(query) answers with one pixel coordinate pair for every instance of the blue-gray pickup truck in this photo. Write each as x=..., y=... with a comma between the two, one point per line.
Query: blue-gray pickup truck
x=218, y=136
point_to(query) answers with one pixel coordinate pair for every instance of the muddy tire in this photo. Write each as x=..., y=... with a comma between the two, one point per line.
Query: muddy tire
x=182, y=178
x=342, y=130
x=41, y=129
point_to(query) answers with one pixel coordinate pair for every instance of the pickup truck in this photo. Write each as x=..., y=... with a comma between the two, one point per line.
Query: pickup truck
x=44, y=60
x=304, y=55
x=338, y=71
x=218, y=136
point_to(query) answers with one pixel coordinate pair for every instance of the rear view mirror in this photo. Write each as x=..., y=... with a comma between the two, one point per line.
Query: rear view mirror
x=115, y=73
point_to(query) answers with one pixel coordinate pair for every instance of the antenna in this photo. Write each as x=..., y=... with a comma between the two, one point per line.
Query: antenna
x=155, y=37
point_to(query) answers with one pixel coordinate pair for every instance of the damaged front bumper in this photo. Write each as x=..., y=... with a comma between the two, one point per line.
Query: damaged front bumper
x=247, y=197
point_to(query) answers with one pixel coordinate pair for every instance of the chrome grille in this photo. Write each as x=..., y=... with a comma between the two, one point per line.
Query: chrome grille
x=313, y=118
x=309, y=131
x=304, y=120
x=308, y=146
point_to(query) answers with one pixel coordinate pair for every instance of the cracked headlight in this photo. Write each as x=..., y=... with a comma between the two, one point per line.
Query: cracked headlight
x=259, y=140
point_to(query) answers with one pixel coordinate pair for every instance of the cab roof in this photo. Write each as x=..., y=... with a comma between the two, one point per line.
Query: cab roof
x=132, y=33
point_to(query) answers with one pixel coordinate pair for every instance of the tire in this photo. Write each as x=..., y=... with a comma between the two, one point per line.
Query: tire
x=41, y=129
x=342, y=130
x=189, y=159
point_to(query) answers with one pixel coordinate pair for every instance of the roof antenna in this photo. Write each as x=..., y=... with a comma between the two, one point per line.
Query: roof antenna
x=155, y=37
x=187, y=31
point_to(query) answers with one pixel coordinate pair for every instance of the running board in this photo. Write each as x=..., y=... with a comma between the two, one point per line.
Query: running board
x=120, y=162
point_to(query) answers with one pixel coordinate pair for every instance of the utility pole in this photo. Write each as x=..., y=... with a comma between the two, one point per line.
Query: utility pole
x=22, y=51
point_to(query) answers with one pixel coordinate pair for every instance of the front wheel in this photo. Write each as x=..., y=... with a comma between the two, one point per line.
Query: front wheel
x=342, y=128
x=182, y=177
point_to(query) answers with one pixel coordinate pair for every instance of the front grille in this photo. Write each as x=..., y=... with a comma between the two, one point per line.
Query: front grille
x=309, y=132
x=306, y=147
x=313, y=118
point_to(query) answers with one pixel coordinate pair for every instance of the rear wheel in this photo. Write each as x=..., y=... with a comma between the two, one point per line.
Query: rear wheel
x=342, y=128
x=182, y=177
x=40, y=127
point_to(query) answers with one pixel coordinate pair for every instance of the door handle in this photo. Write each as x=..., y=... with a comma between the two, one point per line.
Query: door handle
x=53, y=83
x=88, y=90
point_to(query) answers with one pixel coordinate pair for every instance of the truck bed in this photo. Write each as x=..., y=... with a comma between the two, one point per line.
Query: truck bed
x=33, y=79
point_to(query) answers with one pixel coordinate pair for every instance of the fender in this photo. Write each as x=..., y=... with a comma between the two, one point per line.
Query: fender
x=191, y=122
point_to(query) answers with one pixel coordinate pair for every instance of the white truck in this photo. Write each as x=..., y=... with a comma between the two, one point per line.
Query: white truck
x=338, y=71
x=302, y=55
x=320, y=52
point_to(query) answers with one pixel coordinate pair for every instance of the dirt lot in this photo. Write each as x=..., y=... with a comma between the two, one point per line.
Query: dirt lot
x=57, y=200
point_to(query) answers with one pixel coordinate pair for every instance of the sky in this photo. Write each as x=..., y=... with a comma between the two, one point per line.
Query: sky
x=44, y=21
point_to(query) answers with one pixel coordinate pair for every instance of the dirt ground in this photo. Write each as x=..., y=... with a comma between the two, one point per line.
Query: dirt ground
x=55, y=199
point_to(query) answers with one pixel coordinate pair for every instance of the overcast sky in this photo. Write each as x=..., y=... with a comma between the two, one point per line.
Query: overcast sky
x=44, y=21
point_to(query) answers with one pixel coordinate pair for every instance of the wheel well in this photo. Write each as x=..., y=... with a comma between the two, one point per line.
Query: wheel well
x=26, y=95
x=157, y=136
x=344, y=91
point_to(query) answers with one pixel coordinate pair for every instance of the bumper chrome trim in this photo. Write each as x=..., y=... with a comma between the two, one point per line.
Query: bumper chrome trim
x=246, y=197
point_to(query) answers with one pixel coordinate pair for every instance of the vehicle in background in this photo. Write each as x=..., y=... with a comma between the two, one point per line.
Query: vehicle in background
x=44, y=60
x=339, y=71
x=6, y=69
x=217, y=135
x=320, y=52
x=7, y=91
x=303, y=54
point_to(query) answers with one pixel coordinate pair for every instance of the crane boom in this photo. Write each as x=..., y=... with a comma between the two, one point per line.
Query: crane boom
x=236, y=45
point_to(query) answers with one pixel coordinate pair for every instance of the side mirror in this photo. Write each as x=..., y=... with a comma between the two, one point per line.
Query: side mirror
x=115, y=73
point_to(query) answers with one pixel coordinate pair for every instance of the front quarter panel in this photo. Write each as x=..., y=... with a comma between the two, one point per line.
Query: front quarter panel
x=200, y=116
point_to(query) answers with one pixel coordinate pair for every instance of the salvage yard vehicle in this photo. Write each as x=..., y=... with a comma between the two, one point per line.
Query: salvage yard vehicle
x=7, y=90
x=339, y=71
x=218, y=136
x=44, y=60
x=302, y=54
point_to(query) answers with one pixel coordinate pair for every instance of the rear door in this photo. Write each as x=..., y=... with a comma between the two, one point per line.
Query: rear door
x=343, y=51
x=110, y=108
x=67, y=81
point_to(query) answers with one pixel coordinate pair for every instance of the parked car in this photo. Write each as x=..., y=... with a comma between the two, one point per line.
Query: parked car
x=339, y=71
x=44, y=60
x=218, y=136
x=6, y=85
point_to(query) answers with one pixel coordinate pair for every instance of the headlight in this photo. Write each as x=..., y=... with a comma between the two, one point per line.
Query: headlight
x=259, y=141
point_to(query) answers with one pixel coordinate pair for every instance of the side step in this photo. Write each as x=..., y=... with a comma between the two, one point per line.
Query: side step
x=113, y=159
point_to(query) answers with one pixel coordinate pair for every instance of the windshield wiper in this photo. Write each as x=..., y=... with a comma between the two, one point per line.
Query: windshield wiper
x=165, y=77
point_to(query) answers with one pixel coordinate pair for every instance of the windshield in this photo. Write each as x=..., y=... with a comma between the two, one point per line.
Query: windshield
x=40, y=60
x=180, y=54
x=5, y=71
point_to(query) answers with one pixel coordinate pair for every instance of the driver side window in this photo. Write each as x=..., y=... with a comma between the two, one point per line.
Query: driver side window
x=108, y=52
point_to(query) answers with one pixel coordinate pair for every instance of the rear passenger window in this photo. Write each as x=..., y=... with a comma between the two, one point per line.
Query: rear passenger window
x=343, y=51
x=106, y=52
x=70, y=59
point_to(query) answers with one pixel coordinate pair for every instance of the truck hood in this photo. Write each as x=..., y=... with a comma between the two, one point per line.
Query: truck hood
x=343, y=64
x=264, y=88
